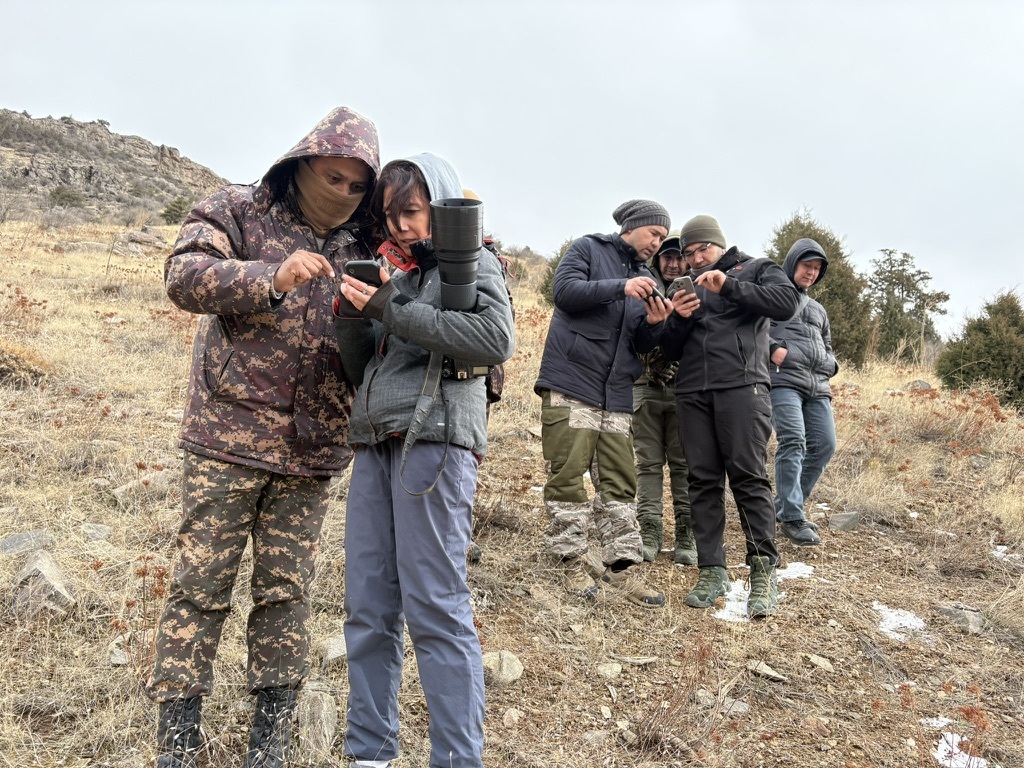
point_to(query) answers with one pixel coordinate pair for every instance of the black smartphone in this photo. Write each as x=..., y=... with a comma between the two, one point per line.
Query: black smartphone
x=684, y=284
x=366, y=270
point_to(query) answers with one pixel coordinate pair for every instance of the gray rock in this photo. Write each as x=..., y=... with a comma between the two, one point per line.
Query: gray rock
x=917, y=384
x=820, y=662
x=334, y=652
x=96, y=531
x=610, y=670
x=596, y=737
x=149, y=485
x=844, y=521
x=317, y=715
x=967, y=617
x=40, y=587
x=735, y=707
x=761, y=669
x=26, y=541
x=501, y=668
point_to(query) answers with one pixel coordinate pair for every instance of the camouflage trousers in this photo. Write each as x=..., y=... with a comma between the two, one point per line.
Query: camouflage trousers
x=576, y=437
x=656, y=439
x=224, y=505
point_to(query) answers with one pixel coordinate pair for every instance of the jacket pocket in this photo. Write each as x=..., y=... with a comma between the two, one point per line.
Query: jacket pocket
x=589, y=344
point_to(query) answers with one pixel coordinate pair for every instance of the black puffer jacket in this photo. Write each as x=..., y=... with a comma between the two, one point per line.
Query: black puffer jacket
x=725, y=343
x=596, y=331
x=809, y=362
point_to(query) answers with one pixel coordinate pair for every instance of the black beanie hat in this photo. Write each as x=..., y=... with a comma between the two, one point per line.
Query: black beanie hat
x=640, y=213
x=701, y=229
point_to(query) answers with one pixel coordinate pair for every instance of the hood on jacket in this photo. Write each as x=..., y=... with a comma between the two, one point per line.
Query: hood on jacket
x=442, y=181
x=341, y=133
x=805, y=248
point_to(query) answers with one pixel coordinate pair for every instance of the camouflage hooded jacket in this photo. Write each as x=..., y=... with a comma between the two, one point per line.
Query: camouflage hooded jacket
x=266, y=387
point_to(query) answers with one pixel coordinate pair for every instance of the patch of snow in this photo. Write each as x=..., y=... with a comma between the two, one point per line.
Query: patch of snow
x=1002, y=552
x=945, y=533
x=914, y=515
x=823, y=506
x=795, y=570
x=936, y=722
x=949, y=755
x=537, y=488
x=894, y=620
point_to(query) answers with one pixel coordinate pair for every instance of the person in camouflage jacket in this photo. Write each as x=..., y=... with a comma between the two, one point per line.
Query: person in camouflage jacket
x=265, y=426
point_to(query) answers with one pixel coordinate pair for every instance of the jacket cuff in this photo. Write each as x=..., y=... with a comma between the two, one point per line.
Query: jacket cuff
x=375, y=306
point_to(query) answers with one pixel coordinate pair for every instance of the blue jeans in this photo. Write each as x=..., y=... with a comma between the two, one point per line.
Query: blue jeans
x=806, y=434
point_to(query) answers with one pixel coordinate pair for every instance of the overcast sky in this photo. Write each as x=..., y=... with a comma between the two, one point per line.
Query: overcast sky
x=898, y=124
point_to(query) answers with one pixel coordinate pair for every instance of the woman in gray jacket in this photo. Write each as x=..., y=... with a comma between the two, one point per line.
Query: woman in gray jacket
x=802, y=363
x=410, y=499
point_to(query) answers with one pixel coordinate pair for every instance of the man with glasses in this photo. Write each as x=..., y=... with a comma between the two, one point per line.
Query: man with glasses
x=656, y=434
x=720, y=336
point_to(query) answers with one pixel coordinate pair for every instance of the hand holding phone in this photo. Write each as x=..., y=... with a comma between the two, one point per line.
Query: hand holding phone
x=684, y=284
x=366, y=270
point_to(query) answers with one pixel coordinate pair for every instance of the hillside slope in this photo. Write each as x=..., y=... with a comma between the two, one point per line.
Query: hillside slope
x=48, y=162
x=911, y=610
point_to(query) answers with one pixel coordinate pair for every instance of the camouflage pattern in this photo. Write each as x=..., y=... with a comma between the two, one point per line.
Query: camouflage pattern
x=656, y=440
x=266, y=387
x=224, y=504
x=576, y=436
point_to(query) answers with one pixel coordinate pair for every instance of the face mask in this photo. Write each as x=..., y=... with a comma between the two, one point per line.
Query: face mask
x=321, y=204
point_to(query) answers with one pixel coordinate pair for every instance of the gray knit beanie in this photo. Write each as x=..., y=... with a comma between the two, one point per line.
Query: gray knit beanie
x=640, y=213
x=701, y=229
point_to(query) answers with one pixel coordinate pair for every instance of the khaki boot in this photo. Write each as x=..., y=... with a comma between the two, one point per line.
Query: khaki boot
x=712, y=583
x=764, y=589
x=686, y=548
x=634, y=588
x=577, y=578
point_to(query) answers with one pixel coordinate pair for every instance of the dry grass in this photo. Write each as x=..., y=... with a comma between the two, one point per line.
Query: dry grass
x=918, y=465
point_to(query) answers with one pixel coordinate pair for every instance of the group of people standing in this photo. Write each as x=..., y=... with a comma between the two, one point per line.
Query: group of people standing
x=669, y=348
x=302, y=367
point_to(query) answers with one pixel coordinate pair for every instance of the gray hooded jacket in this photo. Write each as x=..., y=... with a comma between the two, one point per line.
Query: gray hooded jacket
x=809, y=362
x=412, y=325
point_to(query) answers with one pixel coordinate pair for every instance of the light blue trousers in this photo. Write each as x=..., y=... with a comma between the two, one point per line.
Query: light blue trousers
x=405, y=561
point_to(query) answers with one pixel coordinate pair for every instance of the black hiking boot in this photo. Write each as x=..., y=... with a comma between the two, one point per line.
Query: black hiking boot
x=270, y=739
x=800, y=532
x=177, y=733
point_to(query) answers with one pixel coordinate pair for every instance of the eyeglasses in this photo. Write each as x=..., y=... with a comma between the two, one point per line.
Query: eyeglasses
x=699, y=249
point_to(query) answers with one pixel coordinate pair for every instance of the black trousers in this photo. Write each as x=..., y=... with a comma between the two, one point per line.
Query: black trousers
x=725, y=433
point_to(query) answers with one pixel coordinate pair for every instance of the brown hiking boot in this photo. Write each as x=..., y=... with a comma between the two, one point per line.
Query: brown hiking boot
x=633, y=586
x=577, y=578
x=712, y=583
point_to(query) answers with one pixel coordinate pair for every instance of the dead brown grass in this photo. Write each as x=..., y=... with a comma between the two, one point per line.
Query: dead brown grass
x=937, y=477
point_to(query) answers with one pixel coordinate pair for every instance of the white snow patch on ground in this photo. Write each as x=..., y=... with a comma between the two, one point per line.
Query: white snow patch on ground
x=897, y=623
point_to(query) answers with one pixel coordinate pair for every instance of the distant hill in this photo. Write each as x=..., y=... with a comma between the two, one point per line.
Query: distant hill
x=84, y=169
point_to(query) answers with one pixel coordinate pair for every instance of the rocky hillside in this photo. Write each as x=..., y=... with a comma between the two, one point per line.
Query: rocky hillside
x=49, y=164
